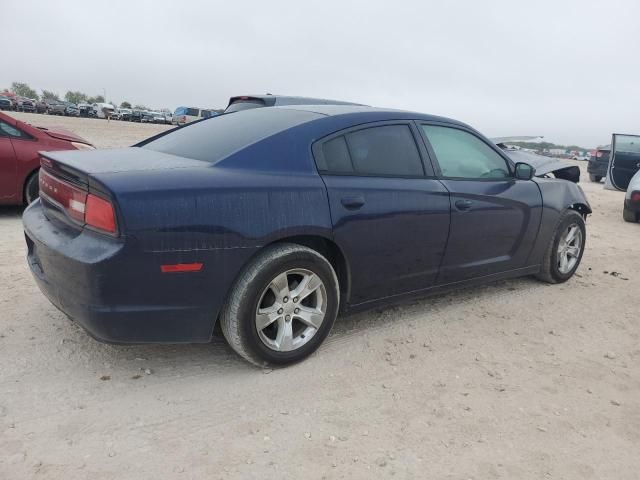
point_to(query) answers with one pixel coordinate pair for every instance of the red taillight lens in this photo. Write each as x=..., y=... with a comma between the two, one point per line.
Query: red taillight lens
x=99, y=214
x=71, y=198
x=635, y=197
x=80, y=205
x=599, y=154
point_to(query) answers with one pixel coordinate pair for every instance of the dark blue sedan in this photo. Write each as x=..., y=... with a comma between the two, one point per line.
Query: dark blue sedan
x=272, y=220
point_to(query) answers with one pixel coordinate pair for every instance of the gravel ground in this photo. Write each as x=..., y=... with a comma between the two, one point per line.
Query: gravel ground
x=514, y=380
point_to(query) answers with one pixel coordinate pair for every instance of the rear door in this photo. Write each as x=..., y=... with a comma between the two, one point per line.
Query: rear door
x=494, y=217
x=625, y=159
x=390, y=216
x=8, y=164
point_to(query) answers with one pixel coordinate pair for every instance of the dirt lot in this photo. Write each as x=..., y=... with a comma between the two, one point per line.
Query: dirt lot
x=513, y=380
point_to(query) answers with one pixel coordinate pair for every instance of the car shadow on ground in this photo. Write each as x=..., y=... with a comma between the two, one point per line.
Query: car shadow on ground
x=217, y=358
x=11, y=212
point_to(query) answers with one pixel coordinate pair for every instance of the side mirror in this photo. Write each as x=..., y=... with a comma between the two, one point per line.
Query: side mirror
x=524, y=171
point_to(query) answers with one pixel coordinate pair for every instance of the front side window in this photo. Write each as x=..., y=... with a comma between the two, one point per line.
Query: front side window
x=463, y=155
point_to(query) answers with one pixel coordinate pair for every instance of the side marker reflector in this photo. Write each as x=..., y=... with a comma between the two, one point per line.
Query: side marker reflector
x=181, y=267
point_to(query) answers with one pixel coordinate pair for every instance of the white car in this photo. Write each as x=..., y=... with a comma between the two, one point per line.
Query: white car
x=631, y=209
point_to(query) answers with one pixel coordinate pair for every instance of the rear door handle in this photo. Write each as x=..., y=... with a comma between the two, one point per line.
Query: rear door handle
x=464, y=204
x=353, y=202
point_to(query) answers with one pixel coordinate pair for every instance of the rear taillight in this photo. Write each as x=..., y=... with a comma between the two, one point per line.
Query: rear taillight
x=72, y=199
x=99, y=214
x=598, y=154
x=635, y=197
x=80, y=205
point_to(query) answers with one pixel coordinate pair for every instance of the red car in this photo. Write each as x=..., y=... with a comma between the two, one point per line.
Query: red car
x=19, y=158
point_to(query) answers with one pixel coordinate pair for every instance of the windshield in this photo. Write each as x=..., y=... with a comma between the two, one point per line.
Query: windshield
x=218, y=137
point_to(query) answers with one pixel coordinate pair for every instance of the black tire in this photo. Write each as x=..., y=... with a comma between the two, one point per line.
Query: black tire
x=550, y=272
x=237, y=319
x=595, y=178
x=629, y=215
x=31, y=189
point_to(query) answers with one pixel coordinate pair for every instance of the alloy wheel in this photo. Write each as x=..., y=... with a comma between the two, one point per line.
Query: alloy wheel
x=569, y=248
x=291, y=309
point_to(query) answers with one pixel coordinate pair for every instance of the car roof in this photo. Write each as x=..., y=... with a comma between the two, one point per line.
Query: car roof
x=372, y=113
x=275, y=100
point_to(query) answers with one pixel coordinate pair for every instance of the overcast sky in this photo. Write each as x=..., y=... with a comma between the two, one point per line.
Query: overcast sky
x=567, y=70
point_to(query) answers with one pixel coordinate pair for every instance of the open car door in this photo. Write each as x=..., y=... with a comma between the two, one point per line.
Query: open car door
x=624, y=161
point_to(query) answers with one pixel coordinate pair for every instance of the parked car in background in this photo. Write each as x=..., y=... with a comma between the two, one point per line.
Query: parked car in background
x=168, y=116
x=13, y=98
x=623, y=172
x=597, y=167
x=124, y=114
x=85, y=110
x=184, y=115
x=272, y=220
x=55, y=107
x=5, y=103
x=246, y=102
x=25, y=105
x=19, y=158
x=103, y=110
x=41, y=107
x=581, y=156
x=157, y=117
x=136, y=115
x=71, y=109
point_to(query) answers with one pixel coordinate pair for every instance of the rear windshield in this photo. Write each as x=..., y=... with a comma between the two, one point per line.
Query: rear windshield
x=244, y=104
x=218, y=137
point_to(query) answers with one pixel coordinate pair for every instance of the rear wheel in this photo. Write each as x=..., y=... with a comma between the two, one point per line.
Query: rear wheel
x=282, y=306
x=565, y=250
x=31, y=189
x=595, y=178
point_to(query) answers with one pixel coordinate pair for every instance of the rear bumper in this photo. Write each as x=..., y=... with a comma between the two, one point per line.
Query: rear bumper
x=114, y=291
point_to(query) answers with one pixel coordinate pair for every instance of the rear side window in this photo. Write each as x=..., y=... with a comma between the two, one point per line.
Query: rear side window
x=386, y=151
x=336, y=155
x=7, y=130
x=218, y=137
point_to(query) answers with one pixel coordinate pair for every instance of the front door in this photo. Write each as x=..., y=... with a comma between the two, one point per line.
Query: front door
x=625, y=159
x=8, y=168
x=494, y=217
x=390, y=219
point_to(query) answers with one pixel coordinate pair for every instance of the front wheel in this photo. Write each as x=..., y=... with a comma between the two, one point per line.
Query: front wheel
x=282, y=306
x=565, y=250
x=31, y=189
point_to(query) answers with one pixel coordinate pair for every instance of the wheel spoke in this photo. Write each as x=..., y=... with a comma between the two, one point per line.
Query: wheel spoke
x=312, y=317
x=571, y=234
x=266, y=316
x=573, y=251
x=309, y=284
x=280, y=285
x=284, y=339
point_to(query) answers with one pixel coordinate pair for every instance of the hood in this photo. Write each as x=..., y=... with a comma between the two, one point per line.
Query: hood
x=63, y=134
x=545, y=165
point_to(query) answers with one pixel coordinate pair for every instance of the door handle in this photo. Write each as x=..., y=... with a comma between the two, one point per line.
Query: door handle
x=353, y=202
x=464, y=204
